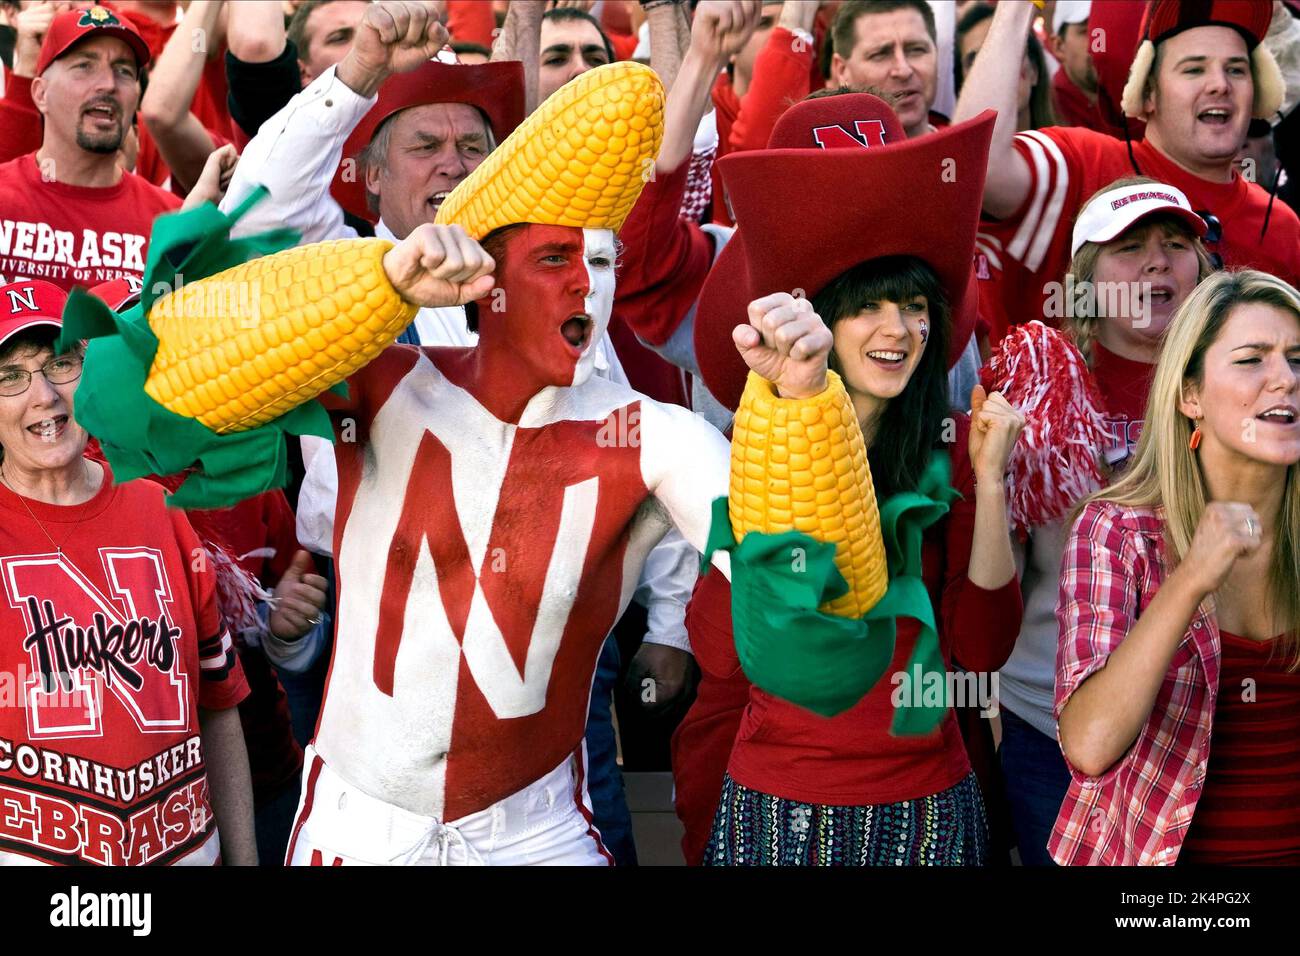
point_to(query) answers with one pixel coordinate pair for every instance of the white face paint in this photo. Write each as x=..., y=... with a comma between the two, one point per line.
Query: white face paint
x=598, y=253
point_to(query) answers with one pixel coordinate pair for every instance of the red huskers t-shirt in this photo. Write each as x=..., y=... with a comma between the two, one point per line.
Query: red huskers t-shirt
x=74, y=235
x=107, y=651
x=1069, y=164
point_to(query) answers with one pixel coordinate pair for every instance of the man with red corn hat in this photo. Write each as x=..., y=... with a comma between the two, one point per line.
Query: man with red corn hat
x=1200, y=73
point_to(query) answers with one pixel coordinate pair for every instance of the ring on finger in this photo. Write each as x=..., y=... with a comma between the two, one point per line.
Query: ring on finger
x=1250, y=527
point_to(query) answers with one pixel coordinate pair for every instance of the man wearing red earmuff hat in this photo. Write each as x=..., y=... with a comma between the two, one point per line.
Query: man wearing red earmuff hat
x=1200, y=72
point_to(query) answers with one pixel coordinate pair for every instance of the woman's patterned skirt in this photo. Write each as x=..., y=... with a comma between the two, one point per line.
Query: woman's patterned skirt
x=757, y=829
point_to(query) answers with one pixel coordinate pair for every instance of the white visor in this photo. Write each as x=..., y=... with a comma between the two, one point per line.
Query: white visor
x=1112, y=213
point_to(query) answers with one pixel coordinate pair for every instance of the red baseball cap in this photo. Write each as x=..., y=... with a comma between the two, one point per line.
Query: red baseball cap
x=29, y=304
x=121, y=293
x=72, y=26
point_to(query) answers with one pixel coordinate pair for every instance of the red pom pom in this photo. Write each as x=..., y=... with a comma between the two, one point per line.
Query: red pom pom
x=1056, y=462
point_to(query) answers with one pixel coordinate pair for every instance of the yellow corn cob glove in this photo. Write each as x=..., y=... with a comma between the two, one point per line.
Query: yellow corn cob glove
x=802, y=465
x=244, y=346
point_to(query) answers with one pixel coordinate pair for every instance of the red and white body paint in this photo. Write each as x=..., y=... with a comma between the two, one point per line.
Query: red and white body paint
x=494, y=513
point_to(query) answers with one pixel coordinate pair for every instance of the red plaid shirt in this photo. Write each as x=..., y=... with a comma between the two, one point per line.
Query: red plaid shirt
x=1139, y=810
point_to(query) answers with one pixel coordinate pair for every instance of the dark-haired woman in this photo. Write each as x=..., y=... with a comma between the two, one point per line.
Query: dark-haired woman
x=805, y=789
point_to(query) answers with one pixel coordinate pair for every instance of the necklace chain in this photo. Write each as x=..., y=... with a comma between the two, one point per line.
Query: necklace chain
x=58, y=548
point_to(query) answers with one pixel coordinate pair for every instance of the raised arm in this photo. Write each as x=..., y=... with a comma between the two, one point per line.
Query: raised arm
x=669, y=39
x=781, y=76
x=1283, y=41
x=1112, y=663
x=255, y=33
x=20, y=120
x=262, y=69
x=720, y=30
x=182, y=140
x=991, y=85
x=297, y=151
x=521, y=39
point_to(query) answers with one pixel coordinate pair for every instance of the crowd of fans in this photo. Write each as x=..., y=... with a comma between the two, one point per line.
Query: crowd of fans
x=1143, y=153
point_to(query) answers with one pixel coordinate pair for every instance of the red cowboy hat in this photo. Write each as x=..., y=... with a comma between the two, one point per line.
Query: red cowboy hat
x=840, y=184
x=497, y=89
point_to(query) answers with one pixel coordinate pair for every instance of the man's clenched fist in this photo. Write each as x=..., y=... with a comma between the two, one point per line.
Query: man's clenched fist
x=721, y=28
x=438, y=266
x=394, y=36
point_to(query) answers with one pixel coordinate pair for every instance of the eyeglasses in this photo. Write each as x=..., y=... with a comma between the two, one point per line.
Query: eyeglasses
x=59, y=370
x=1213, y=233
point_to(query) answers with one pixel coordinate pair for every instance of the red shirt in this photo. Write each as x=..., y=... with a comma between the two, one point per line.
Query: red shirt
x=664, y=263
x=1069, y=164
x=1073, y=108
x=108, y=769
x=74, y=235
x=1250, y=810
x=990, y=266
x=852, y=759
x=1124, y=386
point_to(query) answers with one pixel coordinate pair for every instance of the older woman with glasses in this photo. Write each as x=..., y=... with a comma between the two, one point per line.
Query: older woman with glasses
x=126, y=747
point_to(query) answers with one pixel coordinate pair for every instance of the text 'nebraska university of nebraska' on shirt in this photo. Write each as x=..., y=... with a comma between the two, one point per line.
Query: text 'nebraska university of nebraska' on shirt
x=75, y=235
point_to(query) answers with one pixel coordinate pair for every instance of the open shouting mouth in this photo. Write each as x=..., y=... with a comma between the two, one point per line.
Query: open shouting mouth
x=576, y=330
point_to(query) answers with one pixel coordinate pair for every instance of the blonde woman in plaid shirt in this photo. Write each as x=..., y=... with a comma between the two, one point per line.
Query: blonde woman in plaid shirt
x=1179, y=604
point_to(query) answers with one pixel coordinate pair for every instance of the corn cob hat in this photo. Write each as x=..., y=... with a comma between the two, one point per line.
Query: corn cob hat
x=838, y=185
x=496, y=89
x=580, y=160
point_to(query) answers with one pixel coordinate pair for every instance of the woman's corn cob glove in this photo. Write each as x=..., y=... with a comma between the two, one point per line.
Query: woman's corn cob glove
x=223, y=356
x=814, y=598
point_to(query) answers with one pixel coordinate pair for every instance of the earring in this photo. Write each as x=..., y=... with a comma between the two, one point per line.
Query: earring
x=925, y=331
x=1195, y=443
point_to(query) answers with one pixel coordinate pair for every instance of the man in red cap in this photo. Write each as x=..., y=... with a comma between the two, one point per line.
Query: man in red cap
x=1201, y=72
x=69, y=213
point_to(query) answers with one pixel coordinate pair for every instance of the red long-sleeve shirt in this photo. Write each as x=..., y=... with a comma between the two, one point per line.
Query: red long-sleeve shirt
x=471, y=21
x=663, y=263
